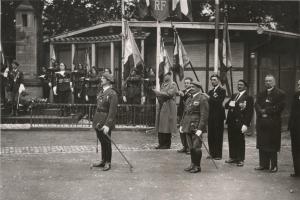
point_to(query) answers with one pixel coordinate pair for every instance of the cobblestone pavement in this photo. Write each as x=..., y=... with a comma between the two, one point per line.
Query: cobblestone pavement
x=54, y=165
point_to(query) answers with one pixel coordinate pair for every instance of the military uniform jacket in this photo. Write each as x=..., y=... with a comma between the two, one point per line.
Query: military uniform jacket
x=216, y=109
x=195, y=116
x=241, y=113
x=16, y=78
x=268, y=125
x=63, y=80
x=106, y=110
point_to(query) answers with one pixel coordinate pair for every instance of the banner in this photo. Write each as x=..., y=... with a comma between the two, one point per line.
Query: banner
x=160, y=9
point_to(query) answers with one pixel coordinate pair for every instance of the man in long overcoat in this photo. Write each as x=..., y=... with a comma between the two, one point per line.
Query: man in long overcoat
x=216, y=118
x=166, y=120
x=240, y=112
x=193, y=124
x=269, y=106
x=294, y=127
x=105, y=119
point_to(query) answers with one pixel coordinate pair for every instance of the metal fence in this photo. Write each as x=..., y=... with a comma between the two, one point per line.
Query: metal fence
x=81, y=115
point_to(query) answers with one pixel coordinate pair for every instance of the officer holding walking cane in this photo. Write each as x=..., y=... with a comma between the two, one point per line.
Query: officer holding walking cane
x=193, y=124
x=104, y=119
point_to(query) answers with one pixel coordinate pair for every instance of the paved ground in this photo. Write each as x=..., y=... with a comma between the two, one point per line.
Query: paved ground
x=50, y=165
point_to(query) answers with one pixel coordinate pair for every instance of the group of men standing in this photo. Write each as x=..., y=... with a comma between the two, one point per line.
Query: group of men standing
x=197, y=109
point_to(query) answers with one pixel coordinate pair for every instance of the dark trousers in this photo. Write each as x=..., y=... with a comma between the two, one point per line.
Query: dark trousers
x=195, y=144
x=64, y=96
x=183, y=141
x=236, y=141
x=46, y=91
x=164, y=140
x=215, y=138
x=267, y=157
x=106, y=150
x=296, y=152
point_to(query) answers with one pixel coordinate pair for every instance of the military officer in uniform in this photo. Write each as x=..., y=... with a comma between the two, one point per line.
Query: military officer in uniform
x=294, y=127
x=240, y=111
x=63, y=85
x=269, y=106
x=216, y=118
x=16, y=84
x=105, y=119
x=184, y=94
x=193, y=124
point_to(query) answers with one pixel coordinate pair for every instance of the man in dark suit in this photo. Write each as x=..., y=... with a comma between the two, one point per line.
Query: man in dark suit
x=105, y=119
x=216, y=118
x=294, y=127
x=193, y=124
x=240, y=112
x=269, y=106
x=184, y=94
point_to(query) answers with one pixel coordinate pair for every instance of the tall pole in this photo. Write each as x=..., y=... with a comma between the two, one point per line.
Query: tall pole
x=157, y=54
x=123, y=44
x=216, y=37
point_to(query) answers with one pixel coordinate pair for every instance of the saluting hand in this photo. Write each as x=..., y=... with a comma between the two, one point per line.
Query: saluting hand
x=244, y=129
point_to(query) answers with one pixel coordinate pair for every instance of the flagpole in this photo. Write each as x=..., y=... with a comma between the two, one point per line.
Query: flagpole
x=123, y=44
x=157, y=54
x=216, y=37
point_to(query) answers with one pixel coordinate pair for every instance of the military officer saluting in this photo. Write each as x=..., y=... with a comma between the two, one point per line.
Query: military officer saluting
x=105, y=119
x=193, y=124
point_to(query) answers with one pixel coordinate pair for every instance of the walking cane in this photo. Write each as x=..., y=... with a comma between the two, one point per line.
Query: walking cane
x=130, y=165
x=18, y=101
x=209, y=153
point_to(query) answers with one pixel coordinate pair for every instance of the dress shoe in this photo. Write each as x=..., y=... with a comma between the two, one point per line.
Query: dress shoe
x=99, y=164
x=240, y=164
x=106, y=167
x=183, y=150
x=189, y=168
x=208, y=157
x=187, y=152
x=295, y=175
x=230, y=161
x=274, y=169
x=260, y=168
x=157, y=147
x=217, y=158
x=195, y=170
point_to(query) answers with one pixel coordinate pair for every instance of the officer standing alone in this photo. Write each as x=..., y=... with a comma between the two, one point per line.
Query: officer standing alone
x=105, y=119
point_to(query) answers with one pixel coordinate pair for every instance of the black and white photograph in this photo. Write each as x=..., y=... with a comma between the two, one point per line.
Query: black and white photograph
x=150, y=99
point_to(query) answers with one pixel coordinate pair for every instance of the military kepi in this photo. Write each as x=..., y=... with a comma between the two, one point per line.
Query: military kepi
x=197, y=84
x=109, y=77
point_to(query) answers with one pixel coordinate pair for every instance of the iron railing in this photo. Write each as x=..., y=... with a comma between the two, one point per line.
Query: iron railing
x=81, y=115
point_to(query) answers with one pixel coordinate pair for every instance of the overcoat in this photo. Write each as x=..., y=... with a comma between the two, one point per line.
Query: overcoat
x=294, y=120
x=166, y=120
x=216, y=109
x=268, y=123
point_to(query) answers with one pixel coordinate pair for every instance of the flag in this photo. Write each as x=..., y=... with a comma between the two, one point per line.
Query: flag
x=2, y=58
x=182, y=7
x=181, y=60
x=142, y=8
x=87, y=60
x=131, y=50
x=53, y=58
x=225, y=55
x=164, y=60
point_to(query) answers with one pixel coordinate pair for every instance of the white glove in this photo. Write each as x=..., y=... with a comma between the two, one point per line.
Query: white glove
x=86, y=97
x=72, y=89
x=105, y=129
x=21, y=88
x=55, y=90
x=244, y=128
x=124, y=99
x=143, y=100
x=78, y=95
x=49, y=84
x=5, y=74
x=198, y=133
x=180, y=129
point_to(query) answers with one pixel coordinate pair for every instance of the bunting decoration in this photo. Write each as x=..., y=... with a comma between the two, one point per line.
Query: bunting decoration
x=182, y=7
x=87, y=60
x=143, y=8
